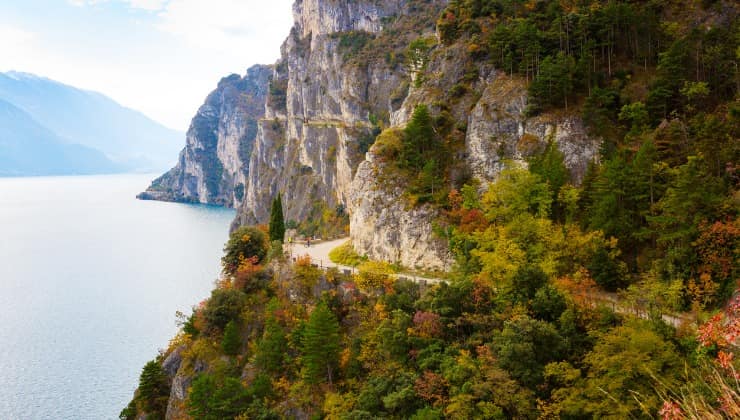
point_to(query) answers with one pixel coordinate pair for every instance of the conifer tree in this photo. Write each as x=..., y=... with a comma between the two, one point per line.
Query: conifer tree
x=272, y=349
x=320, y=345
x=231, y=342
x=154, y=389
x=419, y=138
x=277, y=223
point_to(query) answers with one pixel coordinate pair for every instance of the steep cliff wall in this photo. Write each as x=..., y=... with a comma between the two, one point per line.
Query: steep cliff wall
x=326, y=98
x=489, y=110
x=214, y=165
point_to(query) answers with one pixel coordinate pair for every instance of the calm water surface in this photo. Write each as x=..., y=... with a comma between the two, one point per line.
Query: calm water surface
x=90, y=279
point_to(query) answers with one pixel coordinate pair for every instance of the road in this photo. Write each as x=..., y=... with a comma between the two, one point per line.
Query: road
x=319, y=253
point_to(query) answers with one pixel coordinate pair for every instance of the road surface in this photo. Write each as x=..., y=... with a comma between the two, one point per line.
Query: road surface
x=319, y=253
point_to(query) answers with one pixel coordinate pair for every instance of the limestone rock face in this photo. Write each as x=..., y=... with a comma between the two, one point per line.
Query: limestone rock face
x=307, y=146
x=383, y=228
x=214, y=165
x=498, y=129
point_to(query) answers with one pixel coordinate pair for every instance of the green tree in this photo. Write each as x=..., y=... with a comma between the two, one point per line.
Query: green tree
x=550, y=166
x=525, y=346
x=554, y=83
x=694, y=195
x=517, y=191
x=277, y=223
x=623, y=369
x=320, y=345
x=419, y=139
x=244, y=243
x=231, y=341
x=224, y=306
x=270, y=355
x=154, y=390
x=210, y=399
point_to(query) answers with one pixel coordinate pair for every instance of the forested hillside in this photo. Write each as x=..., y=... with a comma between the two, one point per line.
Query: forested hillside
x=555, y=305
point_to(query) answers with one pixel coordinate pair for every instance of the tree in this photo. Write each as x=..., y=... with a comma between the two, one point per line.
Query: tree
x=550, y=166
x=277, y=223
x=211, y=399
x=554, y=83
x=224, y=306
x=231, y=340
x=517, y=191
x=244, y=243
x=154, y=390
x=692, y=197
x=623, y=368
x=320, y=345
x=525, y=346
x=419, y=139
x=272, y=349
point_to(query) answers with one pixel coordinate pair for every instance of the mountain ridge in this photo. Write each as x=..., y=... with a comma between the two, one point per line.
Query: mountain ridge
x=128, y=137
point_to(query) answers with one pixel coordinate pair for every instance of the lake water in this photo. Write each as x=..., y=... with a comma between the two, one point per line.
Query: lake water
x=90, y=279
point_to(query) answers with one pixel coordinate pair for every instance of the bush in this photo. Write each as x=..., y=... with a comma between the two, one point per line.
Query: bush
x=388, y=144
x=345, y=254
x=373, y=274
x=245, y=243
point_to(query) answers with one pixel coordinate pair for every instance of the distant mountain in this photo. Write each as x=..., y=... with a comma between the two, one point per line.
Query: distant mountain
x=28, y=148
x=127, y=137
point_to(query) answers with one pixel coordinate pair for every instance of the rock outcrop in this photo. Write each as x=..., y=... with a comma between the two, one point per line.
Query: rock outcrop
x=214, y=165
x=384, y=227
x=498, y=129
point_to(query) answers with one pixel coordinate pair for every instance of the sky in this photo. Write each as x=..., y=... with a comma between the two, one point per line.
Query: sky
x=160, y=57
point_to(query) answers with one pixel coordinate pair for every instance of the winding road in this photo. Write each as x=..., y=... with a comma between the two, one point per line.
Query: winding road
x=319, y=253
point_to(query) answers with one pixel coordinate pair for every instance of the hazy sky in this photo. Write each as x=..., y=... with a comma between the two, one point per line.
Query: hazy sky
x=161, y=57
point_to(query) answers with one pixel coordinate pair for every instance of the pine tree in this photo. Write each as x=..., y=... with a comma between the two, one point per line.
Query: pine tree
x=272, y=349
x=419, y=139
x=231, y=341
x=154, y=389
x=320, y=345
x=277, y=223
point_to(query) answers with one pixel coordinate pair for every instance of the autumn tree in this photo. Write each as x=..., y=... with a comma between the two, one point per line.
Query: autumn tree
x=243, y=244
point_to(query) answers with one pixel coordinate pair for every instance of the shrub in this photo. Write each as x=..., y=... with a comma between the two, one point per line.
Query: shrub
x=388, y=145
x=373, y=274
x=345, y=254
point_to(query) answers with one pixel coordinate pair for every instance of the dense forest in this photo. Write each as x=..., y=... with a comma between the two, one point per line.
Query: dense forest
x=614, y=297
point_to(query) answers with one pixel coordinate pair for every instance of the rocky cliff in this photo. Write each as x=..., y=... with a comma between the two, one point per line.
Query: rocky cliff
x=319, y=116
x=214, y=164
x=348, y=70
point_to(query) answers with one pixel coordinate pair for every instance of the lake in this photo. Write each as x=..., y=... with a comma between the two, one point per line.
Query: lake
x=90, y=279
